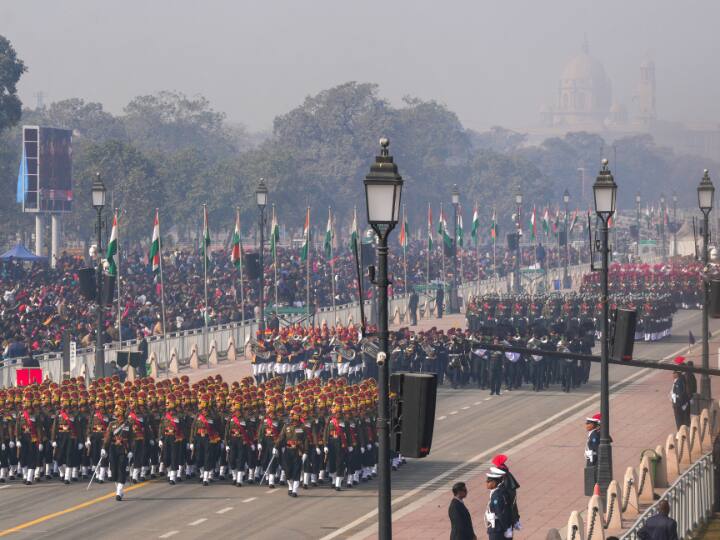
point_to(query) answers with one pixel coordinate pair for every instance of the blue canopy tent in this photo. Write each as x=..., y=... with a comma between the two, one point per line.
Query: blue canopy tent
x=20, y=253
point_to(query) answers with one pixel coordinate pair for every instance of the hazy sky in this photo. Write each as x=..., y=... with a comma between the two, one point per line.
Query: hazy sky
x=492, y=62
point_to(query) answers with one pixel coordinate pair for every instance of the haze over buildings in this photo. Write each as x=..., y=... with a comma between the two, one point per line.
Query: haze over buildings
x=492, y=62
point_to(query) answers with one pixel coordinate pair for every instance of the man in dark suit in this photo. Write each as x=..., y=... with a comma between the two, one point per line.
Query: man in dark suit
x=440, y=300
x=412, y=307
x=461, y=527
x=660, y=526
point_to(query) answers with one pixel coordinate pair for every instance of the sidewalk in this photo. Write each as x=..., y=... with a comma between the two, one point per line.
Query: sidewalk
x=549, y=467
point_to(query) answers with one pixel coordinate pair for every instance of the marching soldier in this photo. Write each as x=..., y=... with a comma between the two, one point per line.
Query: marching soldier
x=239, y=443
x=172, y=439
x=293, y=440
x=67, y=438
x=98, y=424
x=336, y=444
x=30, y=436
x=206, y=439
x=116, y=446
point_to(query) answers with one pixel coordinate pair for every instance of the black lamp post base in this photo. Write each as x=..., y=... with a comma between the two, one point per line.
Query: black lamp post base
x=605, y=468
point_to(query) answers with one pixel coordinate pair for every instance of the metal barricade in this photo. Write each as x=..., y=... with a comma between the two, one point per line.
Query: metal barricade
x=690, y=498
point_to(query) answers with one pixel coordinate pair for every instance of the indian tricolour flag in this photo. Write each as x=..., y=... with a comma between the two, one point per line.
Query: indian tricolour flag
x=353, y=245
x=274, y=234
x=430, y=228
x=459, y=233
x=573, y=221
x=327, y=244
x=546, y=222
x=493, y=226
x=403, y=230
x=533, y=226
x=475, y=225
x=112, y=249
x=236, y=253
x=154, y=256
x=205, y=244
x=305, y=250
x=443, y=230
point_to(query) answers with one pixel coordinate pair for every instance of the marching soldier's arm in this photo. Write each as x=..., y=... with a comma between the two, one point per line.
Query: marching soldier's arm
x=193, y=429
x=18, y=427
x=281, y=438
x=107, y=436
x=362, y=434
x=226, y=436
x=326, y=432
x=54, y=430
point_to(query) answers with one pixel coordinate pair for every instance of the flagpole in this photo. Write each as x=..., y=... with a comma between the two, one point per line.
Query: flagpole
x=162, y=297
x=206, y=228
x=242, y=291
x=307, y=268
x=332, y=266
x=405, y=242
x=460, y=278
x=494, y=239
x=117, y=266
x=442, y=246
x=427, y=273
x=274, y=243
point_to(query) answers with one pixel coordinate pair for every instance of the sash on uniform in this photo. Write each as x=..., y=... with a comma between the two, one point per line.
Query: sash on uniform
x=212, y=434
x=176, y=426
x=31, y=425
x=241, y=429
x=339, y=431
x=99, y=416
x=138, y=425
x=65, y=417
x=273, y=429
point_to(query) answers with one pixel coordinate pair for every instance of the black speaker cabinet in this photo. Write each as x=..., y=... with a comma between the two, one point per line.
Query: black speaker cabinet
x=714, y=307
x=88, y=283
x=624, y=336
x=512, y=241
x=414, y=414
x=252, y=265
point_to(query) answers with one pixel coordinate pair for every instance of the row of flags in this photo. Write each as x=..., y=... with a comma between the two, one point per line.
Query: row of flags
x=549, y=225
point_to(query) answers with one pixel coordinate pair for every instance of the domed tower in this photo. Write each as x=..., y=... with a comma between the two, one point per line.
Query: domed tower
x=645, y=98
x=585, y=92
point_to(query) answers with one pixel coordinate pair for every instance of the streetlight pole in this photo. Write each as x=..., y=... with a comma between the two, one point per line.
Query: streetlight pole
x=98, y=201
x=566, y=200
x=675, y=226
x=637, y=223
x=456, y=282
x=518, y=252
x=706, y=194
x=261, y=198
x=383, y=188
x=605, y=191
x=662, y=226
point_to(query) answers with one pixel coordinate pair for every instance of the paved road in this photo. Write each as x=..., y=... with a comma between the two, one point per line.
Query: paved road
x=469, y=424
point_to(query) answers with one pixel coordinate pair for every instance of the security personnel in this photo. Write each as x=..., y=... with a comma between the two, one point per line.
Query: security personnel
x=592, y=426
x=498, y=514
x=679, y=397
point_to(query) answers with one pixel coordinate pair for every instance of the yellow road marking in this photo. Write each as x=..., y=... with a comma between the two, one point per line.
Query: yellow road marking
x=75, y=508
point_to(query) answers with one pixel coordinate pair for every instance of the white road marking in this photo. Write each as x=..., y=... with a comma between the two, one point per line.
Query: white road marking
x=465, y=408
x=440, y=418
x=224, y=510
x=168, y=534
x=478, y=403
x=453, y=412
x=488, y=398
x=251, y=499
x=197, y=522
x=636, y=377
x=272, y=490
x=4, y=487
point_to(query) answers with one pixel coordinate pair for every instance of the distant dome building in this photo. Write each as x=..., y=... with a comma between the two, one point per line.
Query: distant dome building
x=585, y=92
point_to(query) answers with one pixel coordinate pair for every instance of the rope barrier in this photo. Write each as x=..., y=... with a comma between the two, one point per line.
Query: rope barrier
x=626, y=494
x=574, y=532
x=592, y=522
x=613, y=496
x=642, y=479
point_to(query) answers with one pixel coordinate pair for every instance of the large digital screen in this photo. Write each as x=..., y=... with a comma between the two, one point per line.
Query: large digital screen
x=46, y=171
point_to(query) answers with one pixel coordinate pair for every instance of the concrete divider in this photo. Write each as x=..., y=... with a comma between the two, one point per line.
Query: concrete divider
x=683, y=444
x=613, y=512
x=694, y=438
x=152, y=359
x=213, y=354
x=630, y=504
x=646, y=487
x=575, y=527
x=194, y=357
x=174, y=365
x=706, y=441
x=672, y=459
x=595, y=529
x=661, y=477
x=231, y=352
